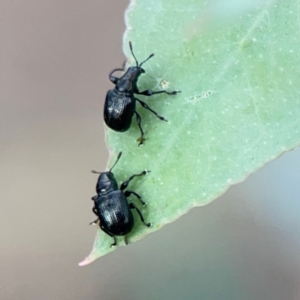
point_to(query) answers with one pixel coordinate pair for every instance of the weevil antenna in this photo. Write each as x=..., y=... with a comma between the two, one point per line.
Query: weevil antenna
x=130, y=46
x=96, y=172
x=151, y=55
x=119, y=155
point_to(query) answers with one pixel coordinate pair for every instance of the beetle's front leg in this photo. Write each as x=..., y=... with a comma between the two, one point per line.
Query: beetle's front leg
x=113, y=78
x=150, y=92
x=124, y=185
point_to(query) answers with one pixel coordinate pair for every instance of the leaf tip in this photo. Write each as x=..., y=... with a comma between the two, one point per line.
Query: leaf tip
x=89, y=259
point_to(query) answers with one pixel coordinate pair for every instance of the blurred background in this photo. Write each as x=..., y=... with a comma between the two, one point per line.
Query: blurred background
x=55, y=58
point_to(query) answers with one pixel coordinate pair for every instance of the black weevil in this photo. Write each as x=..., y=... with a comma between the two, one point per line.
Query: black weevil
x=119, y=106
x=111, y=205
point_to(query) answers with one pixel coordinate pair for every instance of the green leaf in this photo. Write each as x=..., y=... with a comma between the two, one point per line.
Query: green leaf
x=237, y=65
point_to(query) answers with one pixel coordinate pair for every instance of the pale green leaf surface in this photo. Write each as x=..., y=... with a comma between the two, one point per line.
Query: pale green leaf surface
x=237, y=65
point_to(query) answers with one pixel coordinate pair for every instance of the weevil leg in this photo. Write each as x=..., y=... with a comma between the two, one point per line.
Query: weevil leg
x=115, y=241
x=141, y=139
x=126, y=240
x=124, y=65
x=112, y=78
x=133, y=206
x=154, y=112
x=124, y=185
x=151, y=92
x=95, y=212
x=128, y=193
x=94, y=222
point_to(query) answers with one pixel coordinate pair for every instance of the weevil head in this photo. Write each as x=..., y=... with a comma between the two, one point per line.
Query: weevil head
x=129, y=80
x=135, y=71
x=106, y=180
x=106, y=183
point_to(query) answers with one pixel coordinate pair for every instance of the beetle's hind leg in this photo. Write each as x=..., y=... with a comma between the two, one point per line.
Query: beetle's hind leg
x=126, y=240
x=115, y=240
x=154, y=112
x=133, y=206
x=141, y=139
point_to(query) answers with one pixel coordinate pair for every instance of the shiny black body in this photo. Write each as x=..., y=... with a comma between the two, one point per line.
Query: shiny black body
x=119, y=106
x=112, y=207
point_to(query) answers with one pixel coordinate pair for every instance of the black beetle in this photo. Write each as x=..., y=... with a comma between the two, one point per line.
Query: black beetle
x=111, y=205
x=120, y=102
